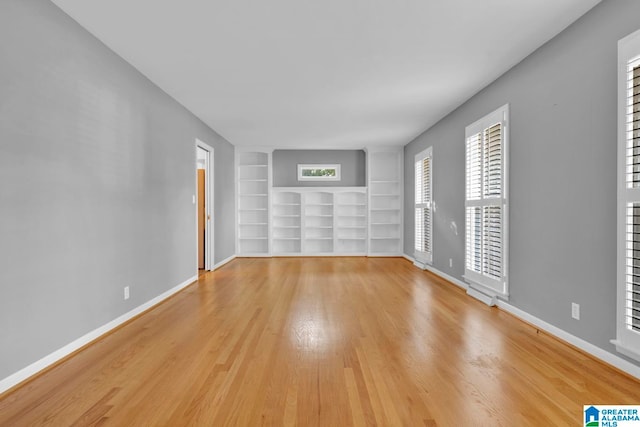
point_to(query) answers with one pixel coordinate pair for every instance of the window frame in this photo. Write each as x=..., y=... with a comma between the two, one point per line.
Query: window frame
x=422, y=256
x=478, y=281
x=302, y=167
x=627, y=341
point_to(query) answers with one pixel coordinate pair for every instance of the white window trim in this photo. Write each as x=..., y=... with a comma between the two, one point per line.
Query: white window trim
x=627, y=341
x=302, y=167
x=420, y=256
x=478, y=281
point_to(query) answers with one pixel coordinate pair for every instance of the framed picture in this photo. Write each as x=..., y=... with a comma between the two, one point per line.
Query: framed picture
x=311, y=172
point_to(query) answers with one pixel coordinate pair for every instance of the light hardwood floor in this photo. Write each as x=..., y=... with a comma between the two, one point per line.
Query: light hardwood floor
x=321, y=341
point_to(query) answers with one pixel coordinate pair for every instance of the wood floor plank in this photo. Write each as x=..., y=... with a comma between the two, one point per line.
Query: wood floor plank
x=320, y=342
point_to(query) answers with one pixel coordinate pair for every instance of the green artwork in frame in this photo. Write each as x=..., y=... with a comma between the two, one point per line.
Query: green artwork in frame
x=317, y=172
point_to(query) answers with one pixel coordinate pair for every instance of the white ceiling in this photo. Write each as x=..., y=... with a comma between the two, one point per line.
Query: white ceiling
x=327, y=73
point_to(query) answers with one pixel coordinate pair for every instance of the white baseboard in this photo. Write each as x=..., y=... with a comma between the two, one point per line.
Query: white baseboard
x=224, y=261
x=317, y=255
x=34, y=368
x=623, y=349
x=420, y=265
x=480, y=296
x=583, y=345
x=437, y=272
x=409, y=258
x=458, y=283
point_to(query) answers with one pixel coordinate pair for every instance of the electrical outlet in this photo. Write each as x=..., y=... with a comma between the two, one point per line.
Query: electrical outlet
x=450, y=263
x=126, y=292
x=575, y=311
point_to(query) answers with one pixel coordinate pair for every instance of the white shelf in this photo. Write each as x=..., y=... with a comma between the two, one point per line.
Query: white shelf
x=253, y=202
x=351, y=208
x=323, y=210
x=287, y=227
x=311, y=221
x=385, y=166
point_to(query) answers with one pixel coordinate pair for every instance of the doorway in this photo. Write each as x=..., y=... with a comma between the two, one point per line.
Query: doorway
x=204, y=205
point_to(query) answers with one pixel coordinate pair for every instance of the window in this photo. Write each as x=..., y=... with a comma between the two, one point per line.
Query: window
x=628, y=269
x=318, y=172
x=423, y=207
x=486, y=204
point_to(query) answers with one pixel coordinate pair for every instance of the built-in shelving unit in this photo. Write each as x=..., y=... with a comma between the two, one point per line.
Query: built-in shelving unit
x=384, y=166
x=351, y=222
x=253, y=185
x=319, y=221
x=287, y=223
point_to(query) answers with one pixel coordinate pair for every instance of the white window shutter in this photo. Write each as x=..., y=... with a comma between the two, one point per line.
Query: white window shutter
x=492, y=162
x=632, y=255
x=474, y=239
x=486, y=204
x=628, y=270
x=423, y=239
x=474, y=167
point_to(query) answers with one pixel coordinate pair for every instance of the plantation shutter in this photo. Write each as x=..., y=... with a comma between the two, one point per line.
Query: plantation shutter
x=632, y=252
x=492, y=213
x=627, y=339
x=485, y=204
x=423, y=250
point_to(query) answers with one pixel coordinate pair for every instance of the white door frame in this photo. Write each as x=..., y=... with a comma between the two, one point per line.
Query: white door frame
x=209, y=188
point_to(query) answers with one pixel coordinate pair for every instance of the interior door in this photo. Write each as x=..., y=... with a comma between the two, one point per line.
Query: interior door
x=202, y=220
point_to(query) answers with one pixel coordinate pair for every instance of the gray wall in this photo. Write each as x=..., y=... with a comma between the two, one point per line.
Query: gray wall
x=563, y=174
x=97, y=171
x=352, y=171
